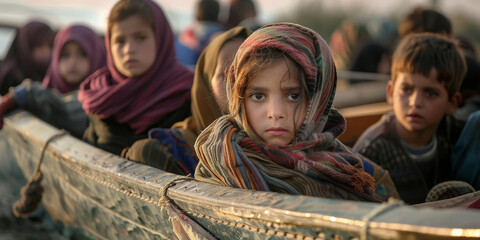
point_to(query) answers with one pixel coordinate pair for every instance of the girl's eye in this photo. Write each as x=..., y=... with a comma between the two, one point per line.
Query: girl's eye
x=293, y=96
x=119, y=41
x=257, y=96
x=141, y=38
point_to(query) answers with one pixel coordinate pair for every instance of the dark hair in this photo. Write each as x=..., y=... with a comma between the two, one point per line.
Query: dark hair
x=127, y=8
x=369, y=57
x=472, y=77
x=466, y=46
x=425, y=20
x=207, y=10
x=422, y=52
x=239, y=11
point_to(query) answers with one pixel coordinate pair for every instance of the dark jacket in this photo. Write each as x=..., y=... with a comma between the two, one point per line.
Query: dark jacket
x=381, y=144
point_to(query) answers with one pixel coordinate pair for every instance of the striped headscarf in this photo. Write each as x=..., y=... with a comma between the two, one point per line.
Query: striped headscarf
x=316, y=163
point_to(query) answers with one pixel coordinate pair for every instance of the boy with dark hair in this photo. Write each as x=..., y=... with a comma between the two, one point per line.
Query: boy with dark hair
x=414, y=143
x=425, y=20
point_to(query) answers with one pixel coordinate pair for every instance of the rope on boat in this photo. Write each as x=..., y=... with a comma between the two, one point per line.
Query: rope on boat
x=184, y=227
x=32, y=191
x=384, y=207
x=164, y=198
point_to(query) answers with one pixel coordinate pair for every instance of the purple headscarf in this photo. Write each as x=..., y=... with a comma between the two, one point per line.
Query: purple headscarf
x=140, y=101
x=19, y=62
x=91, y=43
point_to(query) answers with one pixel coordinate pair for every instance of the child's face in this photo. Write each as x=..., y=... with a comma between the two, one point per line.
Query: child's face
x=133, y=46
x=271, y=102
x=419, y=102
x=224, y=60
x=73, y=64
x=42, y=53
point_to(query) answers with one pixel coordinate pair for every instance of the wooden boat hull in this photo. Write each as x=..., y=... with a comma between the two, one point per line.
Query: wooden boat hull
x=114, y=198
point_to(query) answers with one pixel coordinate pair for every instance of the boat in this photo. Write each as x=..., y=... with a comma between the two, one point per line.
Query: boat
x=110, y=197
x=360, y=118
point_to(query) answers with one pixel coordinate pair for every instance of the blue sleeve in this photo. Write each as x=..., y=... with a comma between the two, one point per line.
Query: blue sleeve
x=63, y=111
x=21, y=95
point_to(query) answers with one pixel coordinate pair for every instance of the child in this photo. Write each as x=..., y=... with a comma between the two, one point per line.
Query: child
x=281, y=132
x=28, y=57
x=346, y=42
x=143, y=86
x=414, y=144
x=425, y=20
x=172, y=149
x=242, y=13
x=465, y=154
x=193, y=39
x=470, y=90
x=77, y=52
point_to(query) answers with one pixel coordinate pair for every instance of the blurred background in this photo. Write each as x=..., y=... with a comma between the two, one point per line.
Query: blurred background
x=321, y=15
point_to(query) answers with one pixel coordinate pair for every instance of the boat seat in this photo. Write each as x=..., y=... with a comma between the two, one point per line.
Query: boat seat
x=359, y=118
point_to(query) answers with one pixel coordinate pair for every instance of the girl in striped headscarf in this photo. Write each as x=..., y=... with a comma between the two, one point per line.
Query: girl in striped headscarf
x=281, y=132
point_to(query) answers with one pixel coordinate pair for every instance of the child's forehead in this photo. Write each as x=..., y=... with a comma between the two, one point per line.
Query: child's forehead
x=133, y=23
x=279, y=71
x=71, y=44
x=419, y=79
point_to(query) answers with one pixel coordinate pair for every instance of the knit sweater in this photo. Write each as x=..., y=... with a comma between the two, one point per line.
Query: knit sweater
x=381, y=144
x=63, y=111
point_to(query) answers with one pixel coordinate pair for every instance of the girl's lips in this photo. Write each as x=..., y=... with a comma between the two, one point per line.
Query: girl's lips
x=130, y=62
x=276, y=131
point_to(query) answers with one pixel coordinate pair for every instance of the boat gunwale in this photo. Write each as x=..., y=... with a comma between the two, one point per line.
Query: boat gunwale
x=183, y=192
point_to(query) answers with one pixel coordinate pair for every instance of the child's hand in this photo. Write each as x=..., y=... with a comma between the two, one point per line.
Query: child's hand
x=6, y=105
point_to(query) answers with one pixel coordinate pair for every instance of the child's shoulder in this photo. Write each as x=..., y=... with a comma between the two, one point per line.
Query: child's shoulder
x=450, y=128
x=381, y=130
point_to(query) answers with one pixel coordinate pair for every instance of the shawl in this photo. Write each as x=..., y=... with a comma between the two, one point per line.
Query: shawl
x=205, y=110
x=140, y=101
x=19, y=60
x=91, y=44
x=316, y=163
x=204, y=107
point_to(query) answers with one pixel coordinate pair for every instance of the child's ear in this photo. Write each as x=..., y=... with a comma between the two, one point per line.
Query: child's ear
x=389, y=92
x=453, y=103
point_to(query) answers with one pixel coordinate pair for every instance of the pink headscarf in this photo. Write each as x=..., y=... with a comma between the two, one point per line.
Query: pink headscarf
x=144, y=100
x=92, y=45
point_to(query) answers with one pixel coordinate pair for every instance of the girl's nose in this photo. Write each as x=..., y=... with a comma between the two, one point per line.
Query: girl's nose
x=129, y=47
x=275, y=110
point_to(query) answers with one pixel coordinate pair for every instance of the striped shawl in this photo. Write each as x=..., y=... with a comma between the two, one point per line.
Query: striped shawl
x=316, y=164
